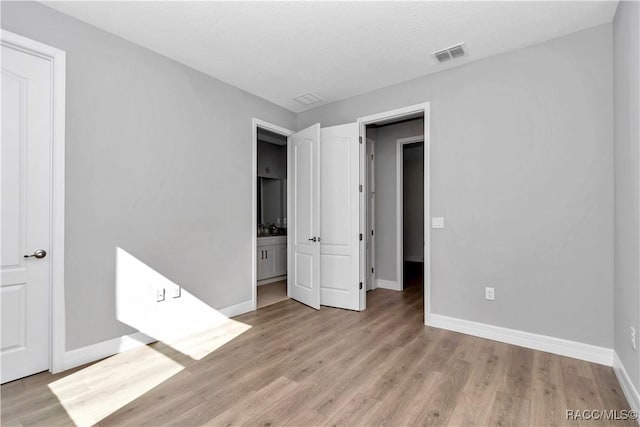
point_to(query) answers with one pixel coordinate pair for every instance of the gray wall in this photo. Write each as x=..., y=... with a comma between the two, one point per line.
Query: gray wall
x=522, y=171
x=158, y=163
x=385, y=175
x=626, y=44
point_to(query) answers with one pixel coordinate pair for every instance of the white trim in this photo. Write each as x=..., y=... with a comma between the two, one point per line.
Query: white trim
x=388, y=284
x=237, y=309
x=93, y=352
x=629, y=390
x=57, y=58
x=577, y=350
x=427, y=214
x=400, y=143
x=255, y=124
x=272, y=280
x=424, y=108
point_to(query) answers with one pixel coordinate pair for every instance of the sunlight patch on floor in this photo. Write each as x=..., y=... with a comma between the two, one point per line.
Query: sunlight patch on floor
x=203, y=343
x=99, y=390
x=185, y=324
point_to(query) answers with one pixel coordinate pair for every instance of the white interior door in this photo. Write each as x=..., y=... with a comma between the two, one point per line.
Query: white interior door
x=303, y=226
x=26, y=173
x=339, y=216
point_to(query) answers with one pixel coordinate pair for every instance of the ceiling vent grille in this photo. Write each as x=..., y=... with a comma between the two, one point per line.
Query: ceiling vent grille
x=307, y=98
x=449, y=53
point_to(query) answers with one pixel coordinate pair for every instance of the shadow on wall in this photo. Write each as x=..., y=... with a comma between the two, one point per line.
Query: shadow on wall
x=187, y=330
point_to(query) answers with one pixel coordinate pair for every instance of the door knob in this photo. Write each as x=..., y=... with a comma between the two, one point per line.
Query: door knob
x=39, y=253
x=313, y=239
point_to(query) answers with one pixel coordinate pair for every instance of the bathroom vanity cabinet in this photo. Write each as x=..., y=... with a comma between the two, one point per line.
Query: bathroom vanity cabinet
x=271, y=257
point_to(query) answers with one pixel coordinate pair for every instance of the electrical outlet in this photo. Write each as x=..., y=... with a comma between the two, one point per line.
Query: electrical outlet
x=177, y=291
x=159, y=294
x=489, y=294
x=437, y=222
x=633, y=338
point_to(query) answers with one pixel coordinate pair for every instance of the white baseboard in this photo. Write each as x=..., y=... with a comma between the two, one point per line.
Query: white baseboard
x=237, y=309
x=577, y=350
x=388, y=284
x=93, y=352
x=271, y=280
x=629, y=390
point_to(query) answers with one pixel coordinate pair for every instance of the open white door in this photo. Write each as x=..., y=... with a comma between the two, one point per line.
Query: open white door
x=303, y=216
x=339, y=216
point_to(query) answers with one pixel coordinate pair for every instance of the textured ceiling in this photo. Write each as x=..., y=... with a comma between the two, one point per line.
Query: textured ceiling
x=279, y=50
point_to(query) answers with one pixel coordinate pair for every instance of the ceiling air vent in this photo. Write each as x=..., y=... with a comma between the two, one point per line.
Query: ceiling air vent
x=452, y=52
x=307, y=98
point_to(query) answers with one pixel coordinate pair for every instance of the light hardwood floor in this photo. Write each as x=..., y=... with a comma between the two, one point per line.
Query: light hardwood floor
x=300, y=367
x=272, y=293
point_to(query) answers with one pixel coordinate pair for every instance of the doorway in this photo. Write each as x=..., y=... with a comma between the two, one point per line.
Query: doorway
x=395, y=167
x=271, y=215
x=411, y=211
x=323, y=240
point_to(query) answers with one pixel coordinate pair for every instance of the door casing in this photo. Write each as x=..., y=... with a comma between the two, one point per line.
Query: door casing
x=57, y=58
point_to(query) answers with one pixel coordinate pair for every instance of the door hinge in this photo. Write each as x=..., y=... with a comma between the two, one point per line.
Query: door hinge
x=371, y=270
x=372, y=157
x=372, y=232
x=360, y=236
x=361, y=188
x=360, y=285
x=360, y=140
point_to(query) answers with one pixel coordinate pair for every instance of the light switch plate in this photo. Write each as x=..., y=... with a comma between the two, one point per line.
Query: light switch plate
x=437, y=222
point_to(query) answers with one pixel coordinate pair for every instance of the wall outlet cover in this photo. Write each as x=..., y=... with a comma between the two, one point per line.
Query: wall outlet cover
x=437, y=222
x=177, y=291
x=489, y=294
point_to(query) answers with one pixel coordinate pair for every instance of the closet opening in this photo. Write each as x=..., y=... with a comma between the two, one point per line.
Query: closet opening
x=412, y=206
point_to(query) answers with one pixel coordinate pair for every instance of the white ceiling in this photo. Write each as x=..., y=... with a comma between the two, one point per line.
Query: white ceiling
x=279, y=50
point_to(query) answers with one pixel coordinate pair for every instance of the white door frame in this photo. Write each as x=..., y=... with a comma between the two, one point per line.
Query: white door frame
x=398, y=113
x=400, y=143
x=255, y=124
x=57, y=58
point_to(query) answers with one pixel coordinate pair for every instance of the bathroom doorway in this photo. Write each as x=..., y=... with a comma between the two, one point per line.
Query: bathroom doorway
x=271, y=215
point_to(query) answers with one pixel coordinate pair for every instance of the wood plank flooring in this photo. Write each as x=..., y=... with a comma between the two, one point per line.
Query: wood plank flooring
x=300, y=367
x=272, y=293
